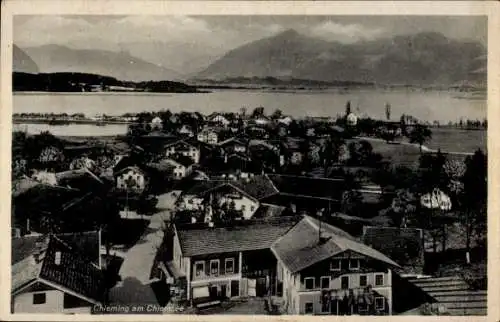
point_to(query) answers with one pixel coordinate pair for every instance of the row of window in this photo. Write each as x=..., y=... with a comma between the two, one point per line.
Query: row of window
x=199, y=267
x=335, y=309
x=310, y=282
x=336, y=264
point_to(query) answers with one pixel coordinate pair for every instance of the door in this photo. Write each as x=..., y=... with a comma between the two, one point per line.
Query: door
x=252, y=283
x=223, y=291
x=235, y=288
x=261, y=287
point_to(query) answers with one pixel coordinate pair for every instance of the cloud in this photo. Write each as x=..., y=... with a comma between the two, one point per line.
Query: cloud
x=113, y=34
x=346, y=33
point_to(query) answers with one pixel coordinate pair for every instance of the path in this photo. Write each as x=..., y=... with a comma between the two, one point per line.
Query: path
x=424, y=148
x=135, y=271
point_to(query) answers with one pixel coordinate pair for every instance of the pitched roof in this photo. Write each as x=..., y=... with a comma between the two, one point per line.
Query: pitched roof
x=299, y=248
x=269, y=211
x=181, y=142
x=404, y=245
x=23, y=185
x=135, y=168
x=75, y=272
x=182, y=160
x=74, y=177
x=245, y=236
x=322, y=188
x=258, y=186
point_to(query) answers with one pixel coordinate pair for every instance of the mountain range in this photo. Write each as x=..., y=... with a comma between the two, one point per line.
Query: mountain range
x=424, y=58
x=420, y=59
x=120, y=65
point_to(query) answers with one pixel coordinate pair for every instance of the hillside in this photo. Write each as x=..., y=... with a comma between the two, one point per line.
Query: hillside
x=21, y=62
x=120, y=65
x=421, y=59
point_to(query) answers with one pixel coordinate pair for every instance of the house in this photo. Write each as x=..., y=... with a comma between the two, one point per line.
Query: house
x=214, y=263
x=245, y=193
x=131, y=178
x=156, y=124
x=182, y=166
x=209, y=136
x=321, y=270
x=183, y=148
x=287, y=120
x=219, y=119
x=218, y=194
x=186, y=130
x=262, y=120
x=50, y=274
x=306, y=193
x=352, y=119
x=234, y=145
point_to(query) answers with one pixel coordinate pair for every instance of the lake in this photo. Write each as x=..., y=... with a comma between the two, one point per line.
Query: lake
x=442, y=106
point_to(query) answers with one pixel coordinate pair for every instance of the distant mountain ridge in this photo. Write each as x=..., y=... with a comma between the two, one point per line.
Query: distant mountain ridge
x=422, y=59
x=22, y=62
x=120, y=65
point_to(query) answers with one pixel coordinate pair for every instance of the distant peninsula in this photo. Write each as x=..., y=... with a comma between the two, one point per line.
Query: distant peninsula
x=83, y=82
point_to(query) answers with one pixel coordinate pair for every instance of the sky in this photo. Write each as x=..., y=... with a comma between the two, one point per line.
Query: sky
x=156, y=38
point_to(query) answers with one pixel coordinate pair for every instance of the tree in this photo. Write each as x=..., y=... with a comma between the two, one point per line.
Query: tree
x=348, y=108
x=277, y=114
x=474, y=196
x=258, y=111
x=420, y=135
x=403, y=207
x=388, y=111
x=351, y=202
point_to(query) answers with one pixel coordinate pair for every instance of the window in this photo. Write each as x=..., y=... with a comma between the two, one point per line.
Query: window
x=229, y=265
x=199, y=268
x=309, y=283
x=335, y=265
x=344, y=281
x=325, y=282
x=243, y=207
x=363, y=280
x=309, y=308
x=379, y=279
x=354, y=264
x=39, y=298
x=214, y=267
x=379, y=303
x=252, y=208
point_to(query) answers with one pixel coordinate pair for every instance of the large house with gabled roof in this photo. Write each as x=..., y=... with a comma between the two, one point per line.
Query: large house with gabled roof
x=308, y=266
x=53, y=274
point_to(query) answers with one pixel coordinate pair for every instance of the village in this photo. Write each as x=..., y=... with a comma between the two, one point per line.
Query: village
x=249, y=213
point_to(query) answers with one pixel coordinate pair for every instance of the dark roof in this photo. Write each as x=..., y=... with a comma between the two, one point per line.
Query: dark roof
x=202, y=186
x=404, y=245
x=23, y=185
x=258, y=186
x=322, y=188
x=180, y=143
x=183, y=160
x=299, y=248
x=77, y=178
x=75, y=272
x=269, y=211
x=245, y=236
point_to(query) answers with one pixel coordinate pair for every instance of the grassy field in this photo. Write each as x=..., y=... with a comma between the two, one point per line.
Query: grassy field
x=456, y=140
